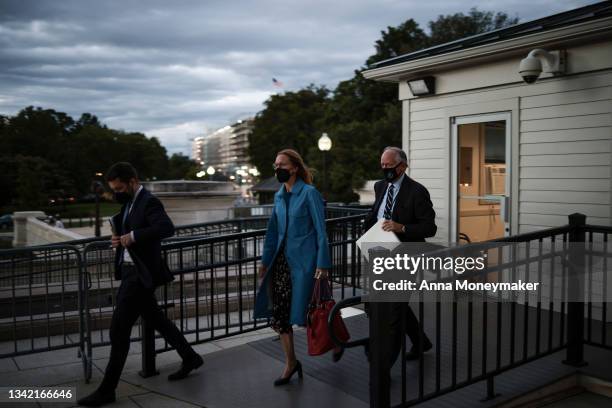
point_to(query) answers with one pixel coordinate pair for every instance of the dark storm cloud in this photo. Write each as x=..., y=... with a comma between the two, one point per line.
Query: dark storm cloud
x=175, y=69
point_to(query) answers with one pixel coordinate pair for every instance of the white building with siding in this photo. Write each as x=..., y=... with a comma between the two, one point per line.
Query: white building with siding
x=501, y=156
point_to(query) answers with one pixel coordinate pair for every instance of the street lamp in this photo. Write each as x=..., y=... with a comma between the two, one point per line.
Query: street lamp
x=325, y=144
x=98, y=189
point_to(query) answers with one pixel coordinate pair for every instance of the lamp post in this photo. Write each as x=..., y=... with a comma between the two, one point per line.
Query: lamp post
x=325, y=144
x=97, y=188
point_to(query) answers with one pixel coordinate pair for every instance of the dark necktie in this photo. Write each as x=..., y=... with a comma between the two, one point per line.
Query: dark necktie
x=123, y=232
x=125, y=215
x=389, y=203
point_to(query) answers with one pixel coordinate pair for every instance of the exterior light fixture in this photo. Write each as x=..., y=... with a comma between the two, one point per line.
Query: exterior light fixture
x=422, y=86
x=325, y=143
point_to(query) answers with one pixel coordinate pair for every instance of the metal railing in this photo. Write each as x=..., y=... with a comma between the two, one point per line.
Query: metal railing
x=42, y=293
x=62, y=296
x=80, y=222
x=332, y=210
x=216, y=228
x=246, y=222
x=475, y=339
x=213, y=294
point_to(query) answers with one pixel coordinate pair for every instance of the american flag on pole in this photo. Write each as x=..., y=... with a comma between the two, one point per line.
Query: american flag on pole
x=277, y=83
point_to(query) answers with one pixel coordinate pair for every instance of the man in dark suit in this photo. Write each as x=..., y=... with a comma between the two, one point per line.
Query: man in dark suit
x=408, y=212
x=137, y=233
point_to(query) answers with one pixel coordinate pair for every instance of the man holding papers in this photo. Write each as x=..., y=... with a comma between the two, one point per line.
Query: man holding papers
x=402, y=206
x=402, y=202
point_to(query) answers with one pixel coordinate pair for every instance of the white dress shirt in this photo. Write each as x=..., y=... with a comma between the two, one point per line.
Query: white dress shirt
x=126, y=255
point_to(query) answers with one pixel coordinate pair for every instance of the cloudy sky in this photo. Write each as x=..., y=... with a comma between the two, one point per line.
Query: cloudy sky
x=177, y=69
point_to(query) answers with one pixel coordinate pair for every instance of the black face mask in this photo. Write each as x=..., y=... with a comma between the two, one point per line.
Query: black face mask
x=122, y=197
x=390, y=174
x=282, y=175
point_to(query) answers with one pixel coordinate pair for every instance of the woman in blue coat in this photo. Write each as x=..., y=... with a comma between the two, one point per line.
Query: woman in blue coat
x=295, y=250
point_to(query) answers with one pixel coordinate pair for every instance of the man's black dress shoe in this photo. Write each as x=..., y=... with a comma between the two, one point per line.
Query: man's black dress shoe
x=186, y=368
x=97, y=398
x=414, y=354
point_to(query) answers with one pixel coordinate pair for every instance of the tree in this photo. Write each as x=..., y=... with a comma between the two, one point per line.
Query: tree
x=36, y=132
x=454, y=26
x=37, y=180
x=181, y=167
x=361, y=116
x=405, y=38
x=290, y=120
x=46, y=153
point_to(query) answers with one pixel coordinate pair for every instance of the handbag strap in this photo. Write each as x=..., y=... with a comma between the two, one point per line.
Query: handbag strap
x=316, y=293
x=325, y=291
x=321, y=290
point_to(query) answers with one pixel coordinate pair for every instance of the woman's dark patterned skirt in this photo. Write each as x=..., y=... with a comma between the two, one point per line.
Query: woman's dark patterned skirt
x=281, y=294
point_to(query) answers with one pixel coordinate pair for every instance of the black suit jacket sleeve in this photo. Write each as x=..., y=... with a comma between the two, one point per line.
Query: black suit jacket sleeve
x=159, y=224
x=422, y=224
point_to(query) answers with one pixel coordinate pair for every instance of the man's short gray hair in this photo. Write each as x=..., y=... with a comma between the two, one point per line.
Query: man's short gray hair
x=400, y=154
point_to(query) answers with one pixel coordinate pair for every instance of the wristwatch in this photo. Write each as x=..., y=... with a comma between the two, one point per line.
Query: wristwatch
x=403, y=229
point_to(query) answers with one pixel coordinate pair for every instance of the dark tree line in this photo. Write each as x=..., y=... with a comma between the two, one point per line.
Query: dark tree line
x=361, y=116
x=46, y=154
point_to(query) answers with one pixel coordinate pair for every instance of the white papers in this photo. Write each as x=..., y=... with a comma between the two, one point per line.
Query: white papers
x=376, y=236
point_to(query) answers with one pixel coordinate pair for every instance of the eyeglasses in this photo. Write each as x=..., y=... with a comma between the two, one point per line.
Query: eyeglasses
x=280, y=166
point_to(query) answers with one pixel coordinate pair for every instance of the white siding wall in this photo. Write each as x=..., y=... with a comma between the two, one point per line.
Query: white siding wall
x=565, y=151
x=564, y=155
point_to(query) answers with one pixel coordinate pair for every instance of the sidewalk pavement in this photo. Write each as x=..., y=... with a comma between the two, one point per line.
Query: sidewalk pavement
x=233, y=375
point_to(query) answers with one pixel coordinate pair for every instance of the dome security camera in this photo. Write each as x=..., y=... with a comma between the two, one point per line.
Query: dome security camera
x=530, y=69
x=538, y=61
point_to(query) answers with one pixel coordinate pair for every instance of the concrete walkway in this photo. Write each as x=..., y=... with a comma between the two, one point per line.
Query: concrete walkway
x=234, y=374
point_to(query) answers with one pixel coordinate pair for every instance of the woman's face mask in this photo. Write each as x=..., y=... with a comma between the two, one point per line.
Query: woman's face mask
x=282, y=175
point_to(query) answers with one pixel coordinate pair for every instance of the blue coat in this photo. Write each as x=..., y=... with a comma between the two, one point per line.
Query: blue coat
x=306, y=247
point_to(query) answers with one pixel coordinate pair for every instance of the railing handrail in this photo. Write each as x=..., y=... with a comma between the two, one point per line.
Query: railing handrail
x=46, y=247
x=178, y=242
x=572, y=313
x=534, y=235
x=219, y=222
x=90, y=240
x=597, y=228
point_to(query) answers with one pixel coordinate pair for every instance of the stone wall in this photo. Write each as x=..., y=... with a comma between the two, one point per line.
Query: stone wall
x=29, y=230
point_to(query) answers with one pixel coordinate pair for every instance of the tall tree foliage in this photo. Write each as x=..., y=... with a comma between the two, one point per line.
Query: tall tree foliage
x=290, y=120
x=46, y=153
x=361, y=116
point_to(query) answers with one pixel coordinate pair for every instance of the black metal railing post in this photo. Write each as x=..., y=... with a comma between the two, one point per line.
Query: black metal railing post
x=380, y=347
x=575, y=308
x=380, y=381
x=148, y=351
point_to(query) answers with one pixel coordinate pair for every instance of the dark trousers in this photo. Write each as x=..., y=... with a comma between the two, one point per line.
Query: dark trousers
x=134, y=300
x=411, y=328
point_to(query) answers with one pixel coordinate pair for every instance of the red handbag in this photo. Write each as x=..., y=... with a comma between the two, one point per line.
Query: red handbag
x=321, y=303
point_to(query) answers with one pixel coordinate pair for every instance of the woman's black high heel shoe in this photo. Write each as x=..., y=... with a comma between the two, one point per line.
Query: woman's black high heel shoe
x=285, y=380
x=337, y=355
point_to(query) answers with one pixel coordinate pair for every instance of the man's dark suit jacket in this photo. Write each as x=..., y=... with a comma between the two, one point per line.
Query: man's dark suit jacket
x=413, y=208
x=150, y=224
